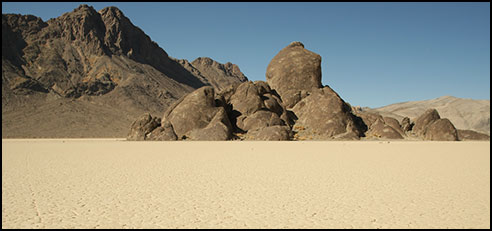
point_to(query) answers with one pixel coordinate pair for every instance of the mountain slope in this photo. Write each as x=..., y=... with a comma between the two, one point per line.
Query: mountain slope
x=466, y=114
x=95, y=63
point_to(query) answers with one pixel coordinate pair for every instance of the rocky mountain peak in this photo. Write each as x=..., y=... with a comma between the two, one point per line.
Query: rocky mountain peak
x=112, y=11
x=204, y=61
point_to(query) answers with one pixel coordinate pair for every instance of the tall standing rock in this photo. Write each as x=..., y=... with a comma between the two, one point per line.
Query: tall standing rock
x=294, y=72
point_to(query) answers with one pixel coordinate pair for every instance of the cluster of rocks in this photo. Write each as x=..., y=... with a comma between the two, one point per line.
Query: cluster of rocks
x=291, y=105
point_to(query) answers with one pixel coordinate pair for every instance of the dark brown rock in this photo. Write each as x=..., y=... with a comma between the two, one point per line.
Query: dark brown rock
x=441, y=130
x=272, y=133
x=324, y=115
x=294, y=72
x=141, y=127
x=406, y=124
x=424, y=121
x=471, y=135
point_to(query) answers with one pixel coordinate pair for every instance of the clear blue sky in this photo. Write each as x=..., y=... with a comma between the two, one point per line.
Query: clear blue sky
x=373, y=54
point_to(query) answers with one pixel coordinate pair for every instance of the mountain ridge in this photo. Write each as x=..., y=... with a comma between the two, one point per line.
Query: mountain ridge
x=464, y=113
x=87, y=57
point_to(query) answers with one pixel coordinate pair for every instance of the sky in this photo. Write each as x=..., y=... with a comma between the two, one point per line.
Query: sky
x=373, y=54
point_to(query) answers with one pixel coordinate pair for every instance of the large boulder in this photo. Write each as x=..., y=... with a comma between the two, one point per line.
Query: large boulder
x=324, y=115
x=219, y=128
x=294, y=72
x=142, y=126
x=246, y=99
x=441, y=130
x=271, y=133
x=424, y=120
x=196, y=111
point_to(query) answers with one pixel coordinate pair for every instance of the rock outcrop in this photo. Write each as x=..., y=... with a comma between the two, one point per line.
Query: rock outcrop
x=197, y=116
x=424, y=120
x=441, y=130
x=380, y=127
x=324, y=115
x=253, y=105
x=430, y=126
x=143, y=126
x=294, y=72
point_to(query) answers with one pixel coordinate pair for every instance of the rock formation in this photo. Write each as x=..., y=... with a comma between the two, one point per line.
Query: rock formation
x=380, y=127
x=423, y=121
x=442, y=130
x=430, y=126
x=142, y=127
x=294, y=72
x=324, y=115
x=197, y=116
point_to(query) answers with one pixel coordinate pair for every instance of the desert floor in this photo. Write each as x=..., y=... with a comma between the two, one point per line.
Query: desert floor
x=77, y=183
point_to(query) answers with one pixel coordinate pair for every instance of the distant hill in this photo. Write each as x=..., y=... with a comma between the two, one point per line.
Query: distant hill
x=90, y=74
x=466, y=114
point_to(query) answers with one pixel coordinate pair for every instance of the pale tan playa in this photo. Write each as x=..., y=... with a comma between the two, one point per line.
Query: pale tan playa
x=363, y=184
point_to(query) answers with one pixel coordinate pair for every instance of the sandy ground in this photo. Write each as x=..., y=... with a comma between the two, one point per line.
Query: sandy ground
x=366, y=184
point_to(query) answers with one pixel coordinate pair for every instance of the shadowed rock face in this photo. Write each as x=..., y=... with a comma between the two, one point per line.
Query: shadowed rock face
x=406, y=124
x=441, y=130
x=294, y=72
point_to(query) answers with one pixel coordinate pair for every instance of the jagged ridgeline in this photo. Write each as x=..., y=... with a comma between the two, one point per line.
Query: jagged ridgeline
x=89, y=74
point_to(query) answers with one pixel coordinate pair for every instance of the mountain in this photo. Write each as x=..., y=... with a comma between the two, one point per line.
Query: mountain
x=467, y=114
x=90, y=74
